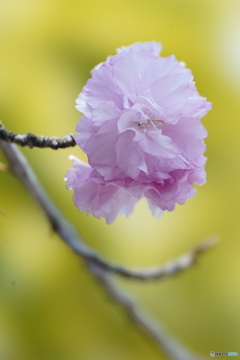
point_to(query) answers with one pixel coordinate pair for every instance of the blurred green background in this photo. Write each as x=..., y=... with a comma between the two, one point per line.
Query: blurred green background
x=50, y=307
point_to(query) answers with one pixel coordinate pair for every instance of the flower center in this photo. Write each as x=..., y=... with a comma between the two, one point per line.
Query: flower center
x=150, y=123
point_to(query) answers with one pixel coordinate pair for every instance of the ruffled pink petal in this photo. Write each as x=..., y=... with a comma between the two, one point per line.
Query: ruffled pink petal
x=102, y=87
x=172, y=93
x=150, y=48
x=104, y=112
x=188, y=135
x=97, y=197
x=101, y=145
x=162, y=67
x=155, y=143
x=128, y=78
x=130, y=157
x=84, y=128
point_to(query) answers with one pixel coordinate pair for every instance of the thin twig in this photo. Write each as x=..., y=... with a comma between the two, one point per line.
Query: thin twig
x=32, y=140
x=20, y=168
x=172, y=348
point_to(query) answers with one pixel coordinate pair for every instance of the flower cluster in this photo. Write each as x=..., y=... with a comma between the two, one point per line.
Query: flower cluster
x=142, y=134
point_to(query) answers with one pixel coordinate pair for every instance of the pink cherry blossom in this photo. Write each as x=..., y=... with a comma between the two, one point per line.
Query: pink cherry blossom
x=141, y=131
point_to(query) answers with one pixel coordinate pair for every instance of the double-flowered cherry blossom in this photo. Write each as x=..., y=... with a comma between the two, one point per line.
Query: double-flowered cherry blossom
x=142, y=134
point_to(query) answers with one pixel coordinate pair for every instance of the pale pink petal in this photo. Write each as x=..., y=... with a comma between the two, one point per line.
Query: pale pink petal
x=102, y=87
x=128, y=78
x=155, y=143
x=104, y=112
x=101, y=145
x=130, y=157
x=188, y=134
x=98, y=197
x=151, y=48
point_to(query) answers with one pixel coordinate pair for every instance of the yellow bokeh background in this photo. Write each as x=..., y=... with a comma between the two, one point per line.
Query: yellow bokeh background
x=50, y=307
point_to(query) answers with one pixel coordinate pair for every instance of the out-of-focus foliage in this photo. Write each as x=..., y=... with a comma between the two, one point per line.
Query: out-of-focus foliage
x=50, y=307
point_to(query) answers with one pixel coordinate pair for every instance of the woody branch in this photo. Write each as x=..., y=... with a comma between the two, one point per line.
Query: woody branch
x=32, y=140
x=20, y=168
x=100, y=267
